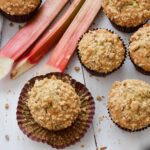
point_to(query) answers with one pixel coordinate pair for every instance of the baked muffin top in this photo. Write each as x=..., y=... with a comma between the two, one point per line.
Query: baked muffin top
x=101, y=50
x=127, y=13
x=53, y=103
x=139, y=47
x=129, y=104
x=19, y=7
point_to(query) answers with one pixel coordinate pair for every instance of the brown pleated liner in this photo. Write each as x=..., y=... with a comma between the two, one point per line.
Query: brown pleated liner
x=96, y=73
x=125, y=129
x=126, y=29
x=139, y=69
x=21, y=18
x=62, y=138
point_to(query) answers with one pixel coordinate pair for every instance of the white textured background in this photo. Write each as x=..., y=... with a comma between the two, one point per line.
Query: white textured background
x=102, y=133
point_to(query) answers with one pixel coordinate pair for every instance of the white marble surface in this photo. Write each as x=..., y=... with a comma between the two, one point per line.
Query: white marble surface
x=102, y=133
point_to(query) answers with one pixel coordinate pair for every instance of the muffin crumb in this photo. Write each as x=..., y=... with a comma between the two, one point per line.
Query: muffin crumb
x=99, y=98
x=82, y=146
x=77, y=69
x=7, y=137
x=20, y=27
x=6, y=106
x=103, y=148
x=11, y=24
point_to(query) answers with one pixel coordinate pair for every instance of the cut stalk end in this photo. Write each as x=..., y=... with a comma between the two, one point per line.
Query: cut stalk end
x=20, y=68
x=5, y=66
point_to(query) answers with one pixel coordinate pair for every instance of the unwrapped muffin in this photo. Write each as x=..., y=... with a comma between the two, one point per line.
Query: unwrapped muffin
x=19, y=10
x=55, y=109
x=127, y=15
x=139, y=49
x=129, y=104
x=101, y=52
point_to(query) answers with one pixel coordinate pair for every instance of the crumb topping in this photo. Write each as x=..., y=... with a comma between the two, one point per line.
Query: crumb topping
x=128, y=13
x=53, y=103
x=140, y=47
x=18, y=7
x=129, y=104
x=101, y=51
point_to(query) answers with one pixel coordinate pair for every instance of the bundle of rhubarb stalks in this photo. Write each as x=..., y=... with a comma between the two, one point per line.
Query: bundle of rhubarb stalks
x=37, y=37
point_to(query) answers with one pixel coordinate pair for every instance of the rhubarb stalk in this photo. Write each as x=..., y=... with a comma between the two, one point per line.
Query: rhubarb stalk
x=49, y=39
x=68, y=43
x=26, y=37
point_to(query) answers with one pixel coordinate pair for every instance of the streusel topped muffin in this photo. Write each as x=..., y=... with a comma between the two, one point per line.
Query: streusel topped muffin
x=101, y=51
x=53, y=103
x=127, y=13
x=129, y=104
x=139, y=48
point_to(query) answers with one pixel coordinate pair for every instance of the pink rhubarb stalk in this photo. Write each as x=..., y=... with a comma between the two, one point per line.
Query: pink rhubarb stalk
x=24, y=39
x=68, y=43
x=49, y=39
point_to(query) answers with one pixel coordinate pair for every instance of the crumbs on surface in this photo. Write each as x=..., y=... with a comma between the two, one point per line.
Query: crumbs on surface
x=100, y=98
x=20, y=27
x=6, y=106
x=7, y=138
x=11, y=24
x=82, y=146
x=77, y=69
x=103, y=148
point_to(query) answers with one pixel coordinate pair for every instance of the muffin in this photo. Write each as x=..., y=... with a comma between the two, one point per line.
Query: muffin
x=19, y=10
x=55, y=109
x=129, y=104
x=101, y=52
x=139, y=49
x=127, y=15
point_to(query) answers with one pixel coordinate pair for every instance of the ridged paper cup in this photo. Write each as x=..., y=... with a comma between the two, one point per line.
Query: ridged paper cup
x=100, y=74
x=139, y=69
x=126, y=29
x=62, y=138
x=125, y=129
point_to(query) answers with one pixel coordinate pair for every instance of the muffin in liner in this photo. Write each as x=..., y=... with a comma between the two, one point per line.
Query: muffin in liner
x=21, y=18
x=125, y=129
x=65, y=137
x=95, y=73
x=139, y=69
x=127, y=15
x=143, y=127
x=141, y=40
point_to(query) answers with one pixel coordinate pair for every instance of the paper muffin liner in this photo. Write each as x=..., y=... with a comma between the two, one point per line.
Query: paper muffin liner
x=139, y=69
x=21, y=18
x=126, y=129
x=65, y=137
x=96, y=73
x=126, y=29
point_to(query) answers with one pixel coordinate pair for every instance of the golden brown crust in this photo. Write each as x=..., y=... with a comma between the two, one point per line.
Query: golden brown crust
x=139, y=48
x=129, y=104
x=53, y=103
x=19, y=7
x=101, y=51
x=127, y=13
